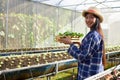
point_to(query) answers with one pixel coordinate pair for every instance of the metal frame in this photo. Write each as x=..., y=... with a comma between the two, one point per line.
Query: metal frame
x=55, y=71
x=96, y=3
x=48, y=75
x=102, y=74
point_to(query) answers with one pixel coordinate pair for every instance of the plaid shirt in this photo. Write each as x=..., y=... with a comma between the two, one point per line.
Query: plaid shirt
x=89, y=55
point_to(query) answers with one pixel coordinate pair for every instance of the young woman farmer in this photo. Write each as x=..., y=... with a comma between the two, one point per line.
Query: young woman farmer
x=91, y=53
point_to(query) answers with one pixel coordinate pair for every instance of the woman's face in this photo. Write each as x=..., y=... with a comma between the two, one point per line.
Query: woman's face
x=90, y=19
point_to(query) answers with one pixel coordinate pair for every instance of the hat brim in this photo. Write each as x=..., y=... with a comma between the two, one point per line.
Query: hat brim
x=96, y=14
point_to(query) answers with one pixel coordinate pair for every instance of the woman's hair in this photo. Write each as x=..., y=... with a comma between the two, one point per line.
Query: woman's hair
x=97, y=26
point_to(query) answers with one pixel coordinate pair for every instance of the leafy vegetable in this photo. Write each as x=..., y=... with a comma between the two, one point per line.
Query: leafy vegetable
x=71, y=34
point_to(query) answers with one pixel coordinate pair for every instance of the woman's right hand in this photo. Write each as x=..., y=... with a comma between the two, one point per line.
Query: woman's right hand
x=65, y=40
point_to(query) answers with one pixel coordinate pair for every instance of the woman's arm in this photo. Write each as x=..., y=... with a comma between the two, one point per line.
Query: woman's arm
x=84, y=50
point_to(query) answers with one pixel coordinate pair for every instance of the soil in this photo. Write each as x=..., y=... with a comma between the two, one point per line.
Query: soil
x=18, y=61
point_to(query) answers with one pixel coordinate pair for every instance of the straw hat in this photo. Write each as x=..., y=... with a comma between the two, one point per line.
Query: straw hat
x=94, y=11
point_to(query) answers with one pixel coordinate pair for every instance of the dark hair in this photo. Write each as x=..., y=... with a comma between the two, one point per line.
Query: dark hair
x=96, y=24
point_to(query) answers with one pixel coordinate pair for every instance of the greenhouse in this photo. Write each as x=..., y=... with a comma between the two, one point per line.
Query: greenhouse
x=29, y=49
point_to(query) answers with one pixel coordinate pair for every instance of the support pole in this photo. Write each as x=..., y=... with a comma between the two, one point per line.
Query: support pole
x=48, y=77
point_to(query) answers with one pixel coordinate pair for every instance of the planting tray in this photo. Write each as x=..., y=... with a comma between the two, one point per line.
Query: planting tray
x=37, y=70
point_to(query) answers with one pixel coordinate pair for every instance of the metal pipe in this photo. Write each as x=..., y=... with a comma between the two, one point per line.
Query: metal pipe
x=29, y=52
x=48, y=77
x=102, y=74
x=31, y=71
x=6, y=35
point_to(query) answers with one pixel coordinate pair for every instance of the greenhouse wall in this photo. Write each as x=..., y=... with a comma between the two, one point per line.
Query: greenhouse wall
x=27, y=24
x=112, y=28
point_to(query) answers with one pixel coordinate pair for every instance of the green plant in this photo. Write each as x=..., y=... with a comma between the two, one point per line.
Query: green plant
x=71, y=34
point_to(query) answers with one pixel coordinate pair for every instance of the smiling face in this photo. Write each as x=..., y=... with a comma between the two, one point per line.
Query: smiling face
x=90, y=20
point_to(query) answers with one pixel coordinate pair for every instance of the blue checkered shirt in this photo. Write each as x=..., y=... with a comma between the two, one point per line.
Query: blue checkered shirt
x=89, y=55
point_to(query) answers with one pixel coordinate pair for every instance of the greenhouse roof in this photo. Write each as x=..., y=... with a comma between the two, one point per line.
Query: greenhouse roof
x=79, y=5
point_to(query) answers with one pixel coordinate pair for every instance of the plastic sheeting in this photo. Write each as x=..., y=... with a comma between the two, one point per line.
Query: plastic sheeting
x=79, y=5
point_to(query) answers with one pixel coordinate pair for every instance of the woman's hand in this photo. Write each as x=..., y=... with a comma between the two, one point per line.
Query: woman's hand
x=65, y=40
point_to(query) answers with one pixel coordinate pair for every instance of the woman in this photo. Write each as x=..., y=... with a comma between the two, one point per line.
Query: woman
x=91, y=53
